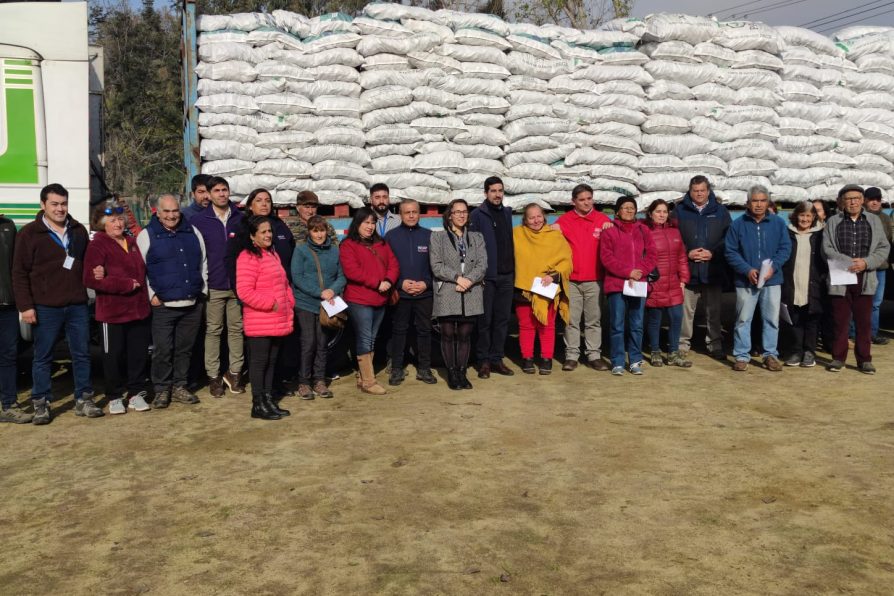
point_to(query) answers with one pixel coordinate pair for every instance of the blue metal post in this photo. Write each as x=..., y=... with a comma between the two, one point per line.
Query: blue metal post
x=188, y=52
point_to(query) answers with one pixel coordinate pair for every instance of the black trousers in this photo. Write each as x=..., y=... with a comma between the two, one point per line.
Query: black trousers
x=419, y=311
x=262, y=362
x=493, y=325
x=312, y=366
x=805, y=327
x=125, y=347
x=174, y=333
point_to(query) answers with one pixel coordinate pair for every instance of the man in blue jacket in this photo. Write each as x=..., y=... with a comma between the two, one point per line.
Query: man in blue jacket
x=494, y=221
x=757, y=246
x=217, y=223
x=703, y=223
x=410, y=242
x=200, y=196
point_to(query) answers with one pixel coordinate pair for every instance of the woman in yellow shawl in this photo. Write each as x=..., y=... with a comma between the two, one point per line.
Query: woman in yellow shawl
x=540, y=252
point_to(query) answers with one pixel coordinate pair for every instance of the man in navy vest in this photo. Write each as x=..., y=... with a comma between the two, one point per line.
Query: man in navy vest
x=177, y=278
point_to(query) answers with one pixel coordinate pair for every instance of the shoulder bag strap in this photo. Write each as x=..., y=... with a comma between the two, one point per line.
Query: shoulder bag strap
x=319, y=271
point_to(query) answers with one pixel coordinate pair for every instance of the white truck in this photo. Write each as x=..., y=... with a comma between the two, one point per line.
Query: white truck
x=45, y=103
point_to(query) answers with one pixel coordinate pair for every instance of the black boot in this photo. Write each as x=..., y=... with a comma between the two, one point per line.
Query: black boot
x=462, y=378
x=260, y=408
x=274, y=405
x=452, y=381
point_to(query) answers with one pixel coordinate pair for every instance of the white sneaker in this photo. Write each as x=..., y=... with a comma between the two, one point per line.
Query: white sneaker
x=138, y=402
x=116, y=406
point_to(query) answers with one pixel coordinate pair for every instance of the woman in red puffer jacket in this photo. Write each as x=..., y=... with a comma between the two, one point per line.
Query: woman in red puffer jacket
x=267, y=311
x=666, y=294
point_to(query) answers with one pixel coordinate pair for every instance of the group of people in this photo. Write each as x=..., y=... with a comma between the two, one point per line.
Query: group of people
x=214, y=270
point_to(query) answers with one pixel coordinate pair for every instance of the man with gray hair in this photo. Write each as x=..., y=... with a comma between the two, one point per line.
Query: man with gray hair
x=757, y=246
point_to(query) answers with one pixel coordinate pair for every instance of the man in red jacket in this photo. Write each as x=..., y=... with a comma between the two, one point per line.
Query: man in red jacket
x=582, y=227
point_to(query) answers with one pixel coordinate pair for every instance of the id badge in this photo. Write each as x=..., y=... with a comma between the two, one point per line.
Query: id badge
x=69, y=262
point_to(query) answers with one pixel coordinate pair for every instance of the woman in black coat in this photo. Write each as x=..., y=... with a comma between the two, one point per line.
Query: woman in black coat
x=803, y=284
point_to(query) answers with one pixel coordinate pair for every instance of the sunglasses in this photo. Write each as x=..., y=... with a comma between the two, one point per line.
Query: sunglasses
x=115, y=210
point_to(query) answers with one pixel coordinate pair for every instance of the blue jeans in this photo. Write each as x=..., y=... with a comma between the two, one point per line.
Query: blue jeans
x=747, y=299
x=365, y=320
x=75, y=319
x=653, y=327
x=626, y=311
x=9, y=343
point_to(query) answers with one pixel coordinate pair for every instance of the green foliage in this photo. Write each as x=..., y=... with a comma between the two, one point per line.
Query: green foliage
x=580, y=14
x=142, y=101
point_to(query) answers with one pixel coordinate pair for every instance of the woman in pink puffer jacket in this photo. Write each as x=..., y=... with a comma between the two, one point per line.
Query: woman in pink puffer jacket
x=267, y=311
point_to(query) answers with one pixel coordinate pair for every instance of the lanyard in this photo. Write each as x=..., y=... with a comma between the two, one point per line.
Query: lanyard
x=58, y=241
x=382, y=225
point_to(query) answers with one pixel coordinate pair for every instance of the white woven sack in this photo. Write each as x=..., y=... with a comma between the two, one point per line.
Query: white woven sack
x=714, y=92
x=229, y=132
x=550, y=156
x=667, y=27
x=880, y=63
x=816, y=76
x=590, y=100
x=749, y=35
x=832, y=159
x=576, y=54
x=733, y=115
x=282, y=70
x=619, y=173
x=668, y=90
x=423, y=60
x=437, y=97
x=611, y=143
x=805, y=177
x=877, y=131
x=535, y=126
x=652, y=164
x=713, y=54
x=353, y=137
x=710, y=165
x=789, y=194
x=339, y=169
x=586, y=116
x=741, y=183
x=342, y=153
x=522, y=83
x=515, y=186
x=798, y=56
x=880, y=148
x=664, y=181
x=450, y=161
x=603, y=74
x=799, y=91
x=459, y=20
x=796, y=127
x=479, y=37
x=566, y=84
x=286, y=139
x=442, y=32
x=212, y=149
x=333, y=57
x=868, y=161
x=331, y=105
x=738, y=78
x=787, y=159
x=259, y=122
x=368, y=27
x=682, y=109
x=522, y=64
x=659, y=124
x=284, y=167
x=623, y=57
x=223, y=52
x=815, y=112
x=222, y=36
x=227, y=167
x=308, y=123
x=386, y=62
x=875, y=99
x=714, y=130
x=489, y=120
x=284, y=103
x=532, y=171
x=210, y=22
x=231, y=70
x=622, y=87
x=409, y=179
x=393, y=134
x=403, y=149
x=680, y=145
x=330, y=41
x=839, y=96
x=534, y=143
x=810, y=144
x=481, y=135
x=590, y=156
x=538, y=98
x=398, y=12
x=732, y=197
x=690, y=75
x=333, y=22
x=461, y=181
x=488, y=167
x=318, y=88
x=464, y=53
x=370, y=45
x=675, y=51
x=798, y=36
x=448, y=126
x=245, y=183
x=211, y=87
x=756, y=96
x=391, y=164
x=858, y=115
x=335, y=72
x=337, y=185
x=227, y=103
x=381, y=78
x=534, y=47
x=389, y=96
x=749, y=166
x=869, y=44
x=470, y=86
x=757, y=130
x=633, y=26
x=482, y=104
x=756, y=148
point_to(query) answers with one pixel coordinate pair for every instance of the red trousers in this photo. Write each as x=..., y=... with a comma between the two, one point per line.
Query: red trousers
x=529, y=326
x=858, y=305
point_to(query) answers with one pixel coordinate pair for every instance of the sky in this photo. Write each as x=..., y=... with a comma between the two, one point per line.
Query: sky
x=781, y=12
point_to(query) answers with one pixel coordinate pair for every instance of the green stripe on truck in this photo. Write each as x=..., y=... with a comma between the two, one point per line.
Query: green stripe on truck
x=17, y=62
x=19, y=81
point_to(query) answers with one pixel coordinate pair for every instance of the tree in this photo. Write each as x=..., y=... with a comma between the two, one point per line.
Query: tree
x=580, y=14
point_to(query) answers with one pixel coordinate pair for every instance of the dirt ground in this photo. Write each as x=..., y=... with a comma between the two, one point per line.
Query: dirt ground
x=678, y=482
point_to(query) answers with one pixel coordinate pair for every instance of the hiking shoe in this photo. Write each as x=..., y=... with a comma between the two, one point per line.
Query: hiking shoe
x=546, y=366
x=216, y=387
x=116, y=406
x=234, y=382
x=597, y=364
x=501, y=369
x=305, y=392
x=636, y=368
x=740, y=365
x=425, y=375
x=618, y=371
x=655, y=360
x=41, y=411
x=718, y=355
x=528, y=367
x=16, y=415
x=835, y=366
x=397, y=376
x=321, y=390
x=677, y=359
x=162, y=399
x=569, y=365
x=866, y=368
x=794, y=360
x=772, y=364
x=484, y=370
x=86, y=407
x=181, y=395
x=137, y=402
x=808, y=360
x=880, y=340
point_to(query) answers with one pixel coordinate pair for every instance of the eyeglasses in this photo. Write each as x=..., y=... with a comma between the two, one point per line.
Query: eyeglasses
x=115, y=210
x=459, y=213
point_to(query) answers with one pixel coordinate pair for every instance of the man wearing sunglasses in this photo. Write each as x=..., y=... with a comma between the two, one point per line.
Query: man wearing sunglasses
x=49, y=291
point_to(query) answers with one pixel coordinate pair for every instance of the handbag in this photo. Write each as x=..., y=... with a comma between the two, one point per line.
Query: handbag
x=654, y=274
x=337, y=321
x=393, y=295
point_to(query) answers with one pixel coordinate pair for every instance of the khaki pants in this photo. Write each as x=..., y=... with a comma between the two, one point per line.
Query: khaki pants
x=584, y=301
x=712, y=296
x=223, y=303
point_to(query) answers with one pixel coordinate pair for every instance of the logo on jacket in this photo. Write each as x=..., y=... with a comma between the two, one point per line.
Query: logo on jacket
x=422, y=248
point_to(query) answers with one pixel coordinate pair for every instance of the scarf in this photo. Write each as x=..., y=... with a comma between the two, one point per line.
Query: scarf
x=537, y=254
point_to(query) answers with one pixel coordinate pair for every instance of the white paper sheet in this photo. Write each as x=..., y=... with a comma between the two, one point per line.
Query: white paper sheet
x=334, y=309
x=838, y=273
x=638, y=289
x=546, y=291
x=784, y=315
x=766, y=265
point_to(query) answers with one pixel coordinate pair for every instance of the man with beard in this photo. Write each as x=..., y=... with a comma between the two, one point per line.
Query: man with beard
x=380, y=200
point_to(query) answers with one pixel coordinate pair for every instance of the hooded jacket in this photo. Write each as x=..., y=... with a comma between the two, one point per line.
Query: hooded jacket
x=704, y=229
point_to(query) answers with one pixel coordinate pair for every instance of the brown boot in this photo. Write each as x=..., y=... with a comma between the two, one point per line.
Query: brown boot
x=368, y=383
